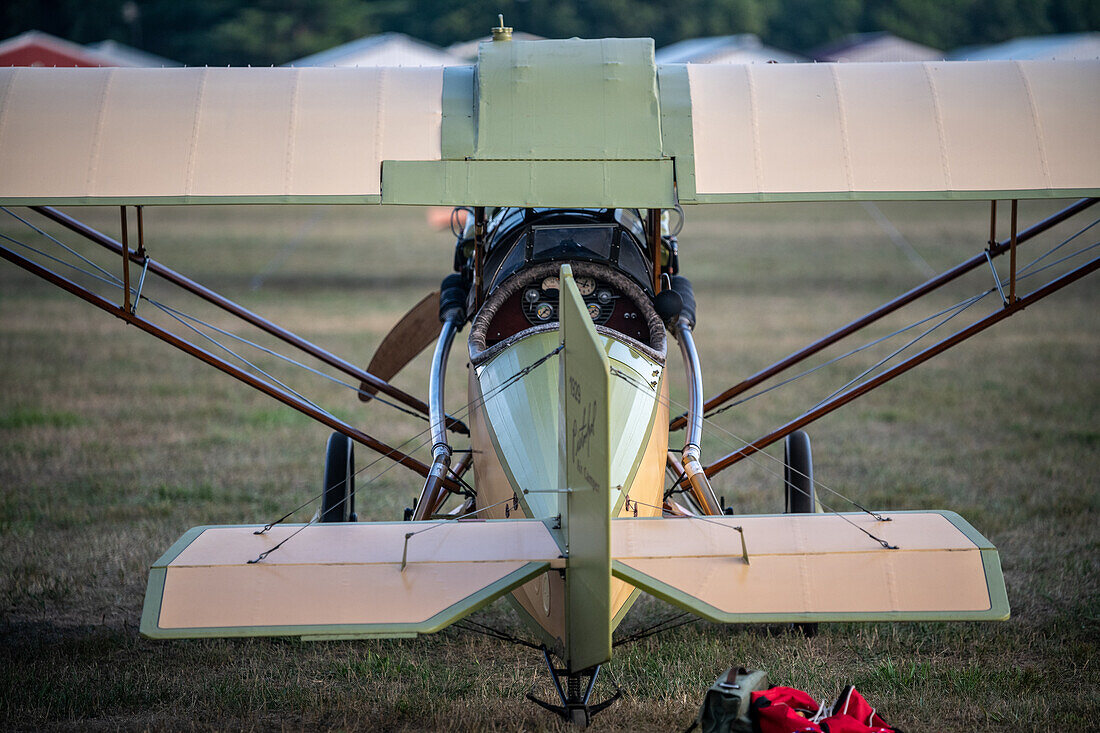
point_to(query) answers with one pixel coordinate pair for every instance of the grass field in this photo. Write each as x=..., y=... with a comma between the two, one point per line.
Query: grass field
x=112, y=445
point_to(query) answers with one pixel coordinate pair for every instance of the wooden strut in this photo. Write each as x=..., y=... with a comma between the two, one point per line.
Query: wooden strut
x=844, y=398
x=479, y=243
x=125, y=261
x=1012, y=257
x=654, y=226
x=995, y=249
x=229, y=306
x=220, y=364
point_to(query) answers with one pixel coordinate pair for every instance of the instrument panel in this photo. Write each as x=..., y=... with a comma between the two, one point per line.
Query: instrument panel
x=537, y=304
x=540, y=300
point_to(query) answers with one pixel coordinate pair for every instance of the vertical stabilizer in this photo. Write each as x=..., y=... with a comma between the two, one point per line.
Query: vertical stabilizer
x=585, y=471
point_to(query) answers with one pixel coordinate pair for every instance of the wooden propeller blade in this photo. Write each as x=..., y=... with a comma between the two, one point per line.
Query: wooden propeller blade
x=412, y=334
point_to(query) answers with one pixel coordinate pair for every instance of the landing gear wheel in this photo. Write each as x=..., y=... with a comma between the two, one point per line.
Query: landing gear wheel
x=799, y=496
x=799, y=493
x=338, y=501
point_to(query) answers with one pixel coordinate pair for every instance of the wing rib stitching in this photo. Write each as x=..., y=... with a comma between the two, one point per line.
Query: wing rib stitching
x=1040, y=141
x=939, y=125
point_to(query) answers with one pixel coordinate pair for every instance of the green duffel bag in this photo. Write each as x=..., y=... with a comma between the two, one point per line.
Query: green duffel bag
x=725, y=708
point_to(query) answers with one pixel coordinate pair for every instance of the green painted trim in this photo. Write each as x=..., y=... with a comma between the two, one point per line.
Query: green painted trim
x=504, y=463
x=692, y=604
x=186, y=200
x=585, y=474
x=514, y=483
x=553, y=526
x=641, y=453
x=568, y=99
x=457, y=131
x=995, y=581
x=150, y=608
x=826, y=196
x=677, y=136
x=634, y=594
x=356, y=637
x=179, y=545
x=967, y=529
x=444, y=618
x=553, y=183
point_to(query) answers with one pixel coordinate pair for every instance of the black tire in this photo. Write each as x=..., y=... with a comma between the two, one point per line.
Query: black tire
x=799, y=496
x=338, y=501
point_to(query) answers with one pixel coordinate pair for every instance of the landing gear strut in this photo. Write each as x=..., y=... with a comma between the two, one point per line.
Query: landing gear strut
x=574, y=706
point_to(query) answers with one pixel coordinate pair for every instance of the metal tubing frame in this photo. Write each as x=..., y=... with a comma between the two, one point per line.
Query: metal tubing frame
x=235, y=309
x=282, y=396
x=693, y=470
x=995, y=249
x=441, y=451
x=844, y=398
x=458, y=470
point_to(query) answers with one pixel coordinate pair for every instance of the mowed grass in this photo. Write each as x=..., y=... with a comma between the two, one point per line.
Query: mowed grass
x=113, y=444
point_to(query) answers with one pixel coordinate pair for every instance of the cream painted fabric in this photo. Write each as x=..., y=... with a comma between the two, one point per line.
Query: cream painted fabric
x=764, y=130
x=212, y=134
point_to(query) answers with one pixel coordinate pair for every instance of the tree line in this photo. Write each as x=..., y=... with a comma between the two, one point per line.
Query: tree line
x=263, y=32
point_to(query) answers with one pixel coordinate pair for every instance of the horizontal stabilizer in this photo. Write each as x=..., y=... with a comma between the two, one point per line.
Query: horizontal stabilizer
x=340, y=580
x=815, y=567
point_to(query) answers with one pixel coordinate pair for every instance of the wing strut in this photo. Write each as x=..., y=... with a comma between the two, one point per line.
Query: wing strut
x=185, y=283
x=995, y=249
x=205, y=356
x=844, y=398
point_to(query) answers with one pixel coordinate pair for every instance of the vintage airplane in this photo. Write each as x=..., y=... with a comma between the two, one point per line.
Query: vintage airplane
x=568, y=156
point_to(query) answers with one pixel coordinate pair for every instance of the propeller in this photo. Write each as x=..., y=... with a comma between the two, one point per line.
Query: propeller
x=412, y=334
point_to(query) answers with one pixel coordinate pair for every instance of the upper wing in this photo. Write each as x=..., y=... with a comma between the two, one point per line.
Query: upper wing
x=905, y=130
x=172, y=136
x=551, y=123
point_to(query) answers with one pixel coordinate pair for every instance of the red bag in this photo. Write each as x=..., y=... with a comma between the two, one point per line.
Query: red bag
x=783, y=710
x=787, y=710
x=851, y=713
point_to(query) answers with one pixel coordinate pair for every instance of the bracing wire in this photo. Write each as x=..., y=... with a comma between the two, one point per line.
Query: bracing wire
x=1022, y=274
x=179, y=316
x=952, y=311
x=468, y=406
x=110, y=278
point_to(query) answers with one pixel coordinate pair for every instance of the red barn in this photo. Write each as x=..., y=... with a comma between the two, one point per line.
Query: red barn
x=35, y=48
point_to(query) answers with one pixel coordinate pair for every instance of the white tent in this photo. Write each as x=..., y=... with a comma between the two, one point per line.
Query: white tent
x=744, y=48
x=386, y=49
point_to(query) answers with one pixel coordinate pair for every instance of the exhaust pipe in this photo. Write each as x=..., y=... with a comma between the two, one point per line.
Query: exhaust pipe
x=679, y=306
x=452, y=312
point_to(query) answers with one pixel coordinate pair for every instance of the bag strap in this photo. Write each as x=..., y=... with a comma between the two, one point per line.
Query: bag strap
x=731, y=677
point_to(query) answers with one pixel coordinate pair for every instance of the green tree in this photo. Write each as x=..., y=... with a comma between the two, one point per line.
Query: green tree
x=264, y=32
x=278, y=31
x=803, y=24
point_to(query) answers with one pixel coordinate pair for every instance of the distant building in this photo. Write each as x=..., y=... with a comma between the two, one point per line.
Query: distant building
x=744, y=48
x=35, y=48
x=467, y=50
x=386, y=49
x=1065, y=47
x=880, y=46
x=124, y=55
